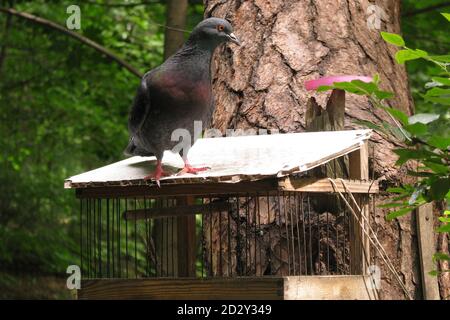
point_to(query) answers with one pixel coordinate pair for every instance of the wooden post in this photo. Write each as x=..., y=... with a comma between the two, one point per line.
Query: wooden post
x=425, y=235
x=329, y=119
x=175, y=241
x=186, y=241
x=359, y=242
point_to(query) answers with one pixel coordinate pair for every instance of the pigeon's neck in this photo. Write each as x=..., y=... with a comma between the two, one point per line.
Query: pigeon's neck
x=194, y=59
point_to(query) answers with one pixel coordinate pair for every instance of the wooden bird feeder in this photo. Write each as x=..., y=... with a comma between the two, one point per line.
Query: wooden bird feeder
x=265, y=222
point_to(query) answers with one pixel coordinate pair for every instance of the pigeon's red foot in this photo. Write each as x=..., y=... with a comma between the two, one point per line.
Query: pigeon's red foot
x=157, y=174
x=190, y=169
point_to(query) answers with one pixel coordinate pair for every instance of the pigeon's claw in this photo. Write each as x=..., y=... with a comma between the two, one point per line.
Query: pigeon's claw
x=157, y=174
x=190, y=169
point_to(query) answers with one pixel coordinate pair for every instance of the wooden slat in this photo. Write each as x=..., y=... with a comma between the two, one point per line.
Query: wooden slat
x=199, y=289
x=186, y=241
x=349, y=287
x=179, y=210
x=266, y=185
x=425, y=235
x=242, y=288
x=359, y=243
x=324, y=185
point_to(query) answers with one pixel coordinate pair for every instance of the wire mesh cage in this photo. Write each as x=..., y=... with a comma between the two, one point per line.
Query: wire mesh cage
x=288, y=231
x=251, y=234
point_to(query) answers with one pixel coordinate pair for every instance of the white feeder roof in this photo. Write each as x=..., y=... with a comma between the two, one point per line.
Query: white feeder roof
x=233, y=159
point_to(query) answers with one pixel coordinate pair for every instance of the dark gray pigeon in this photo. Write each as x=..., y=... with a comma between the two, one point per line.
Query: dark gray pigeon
x=175, y=94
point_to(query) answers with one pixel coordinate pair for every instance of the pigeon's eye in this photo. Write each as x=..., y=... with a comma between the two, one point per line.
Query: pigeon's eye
x=220, y=28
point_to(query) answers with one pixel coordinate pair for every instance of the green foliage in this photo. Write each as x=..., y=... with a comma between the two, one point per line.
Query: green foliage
x=424, y=136
x=64, y=110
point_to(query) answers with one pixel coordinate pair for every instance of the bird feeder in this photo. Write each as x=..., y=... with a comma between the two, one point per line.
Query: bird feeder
x=264, y=222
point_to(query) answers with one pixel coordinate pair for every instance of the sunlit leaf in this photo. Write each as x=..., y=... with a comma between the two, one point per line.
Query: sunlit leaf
x=393, y=38
x=399, y=213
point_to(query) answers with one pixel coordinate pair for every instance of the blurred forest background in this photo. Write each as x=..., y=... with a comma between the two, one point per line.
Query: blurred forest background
x=64, y=109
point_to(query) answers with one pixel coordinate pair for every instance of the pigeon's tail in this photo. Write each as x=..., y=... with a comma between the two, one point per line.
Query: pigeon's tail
x=130, y=149
x=133, y=150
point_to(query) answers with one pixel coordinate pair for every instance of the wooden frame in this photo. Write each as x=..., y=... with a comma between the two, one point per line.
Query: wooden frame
x=261, y=186
x=359, y=244
x=253, y=288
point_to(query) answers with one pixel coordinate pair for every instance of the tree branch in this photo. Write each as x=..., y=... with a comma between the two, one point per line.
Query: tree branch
x=118, y=5
x=426, y=9
x=77, y=36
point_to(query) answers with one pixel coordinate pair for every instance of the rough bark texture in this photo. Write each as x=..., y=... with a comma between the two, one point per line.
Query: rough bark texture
x=285, y=43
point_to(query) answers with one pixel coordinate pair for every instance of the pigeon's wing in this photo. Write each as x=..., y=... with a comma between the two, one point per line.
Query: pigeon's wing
x=141, y=105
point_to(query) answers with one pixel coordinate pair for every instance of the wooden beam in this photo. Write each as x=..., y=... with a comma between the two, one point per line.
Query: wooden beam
x=359, y=242
x=186, y=241
x=425, y=235
x=186, y=289
x=236, y=288
x=265, y=185
x=324, y=185
x=179, y=210
x=346, y=287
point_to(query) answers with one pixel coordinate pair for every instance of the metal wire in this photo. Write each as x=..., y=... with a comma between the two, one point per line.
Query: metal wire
x=240, y=240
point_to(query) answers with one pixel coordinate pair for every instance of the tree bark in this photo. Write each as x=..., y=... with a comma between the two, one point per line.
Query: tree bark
x=285, y=43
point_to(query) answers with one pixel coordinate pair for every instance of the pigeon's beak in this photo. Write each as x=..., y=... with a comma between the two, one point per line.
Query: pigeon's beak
x=232, y=37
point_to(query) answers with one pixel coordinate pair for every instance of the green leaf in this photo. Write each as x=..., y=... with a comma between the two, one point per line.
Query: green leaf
x=349, y=87
x=439, y=142
x=393, y=38
x=441, y=256
x=409, y=154
x=392, y=205
x=324, y=88
x=433, y=273
x=437, y=92
x=438, y=168
x=444, y=228
x=441, y=100
x=406, y=55
x=446, y=15
x=444, y=81
x=397, y=190
x=383, y=94
x=423, y=118
x=376, y=79
x=368, y=87
x=399, y=213
x=441, y=58
x=421, y=174
x=439, y=188
x=397, y=114
x=416, y=129
x=370, y=125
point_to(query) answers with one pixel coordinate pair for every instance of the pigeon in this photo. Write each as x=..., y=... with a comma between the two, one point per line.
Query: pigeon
x=175, y=94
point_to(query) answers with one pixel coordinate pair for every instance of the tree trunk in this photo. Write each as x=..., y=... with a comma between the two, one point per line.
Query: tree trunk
x=175, y=19
x=286, y=42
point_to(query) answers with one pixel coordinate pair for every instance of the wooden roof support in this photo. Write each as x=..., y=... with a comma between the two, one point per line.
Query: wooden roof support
x=179, y=210
x=271, y=186
x=324, y=185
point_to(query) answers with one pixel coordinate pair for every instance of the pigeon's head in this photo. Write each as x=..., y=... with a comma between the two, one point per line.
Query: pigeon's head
x=213, y=31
